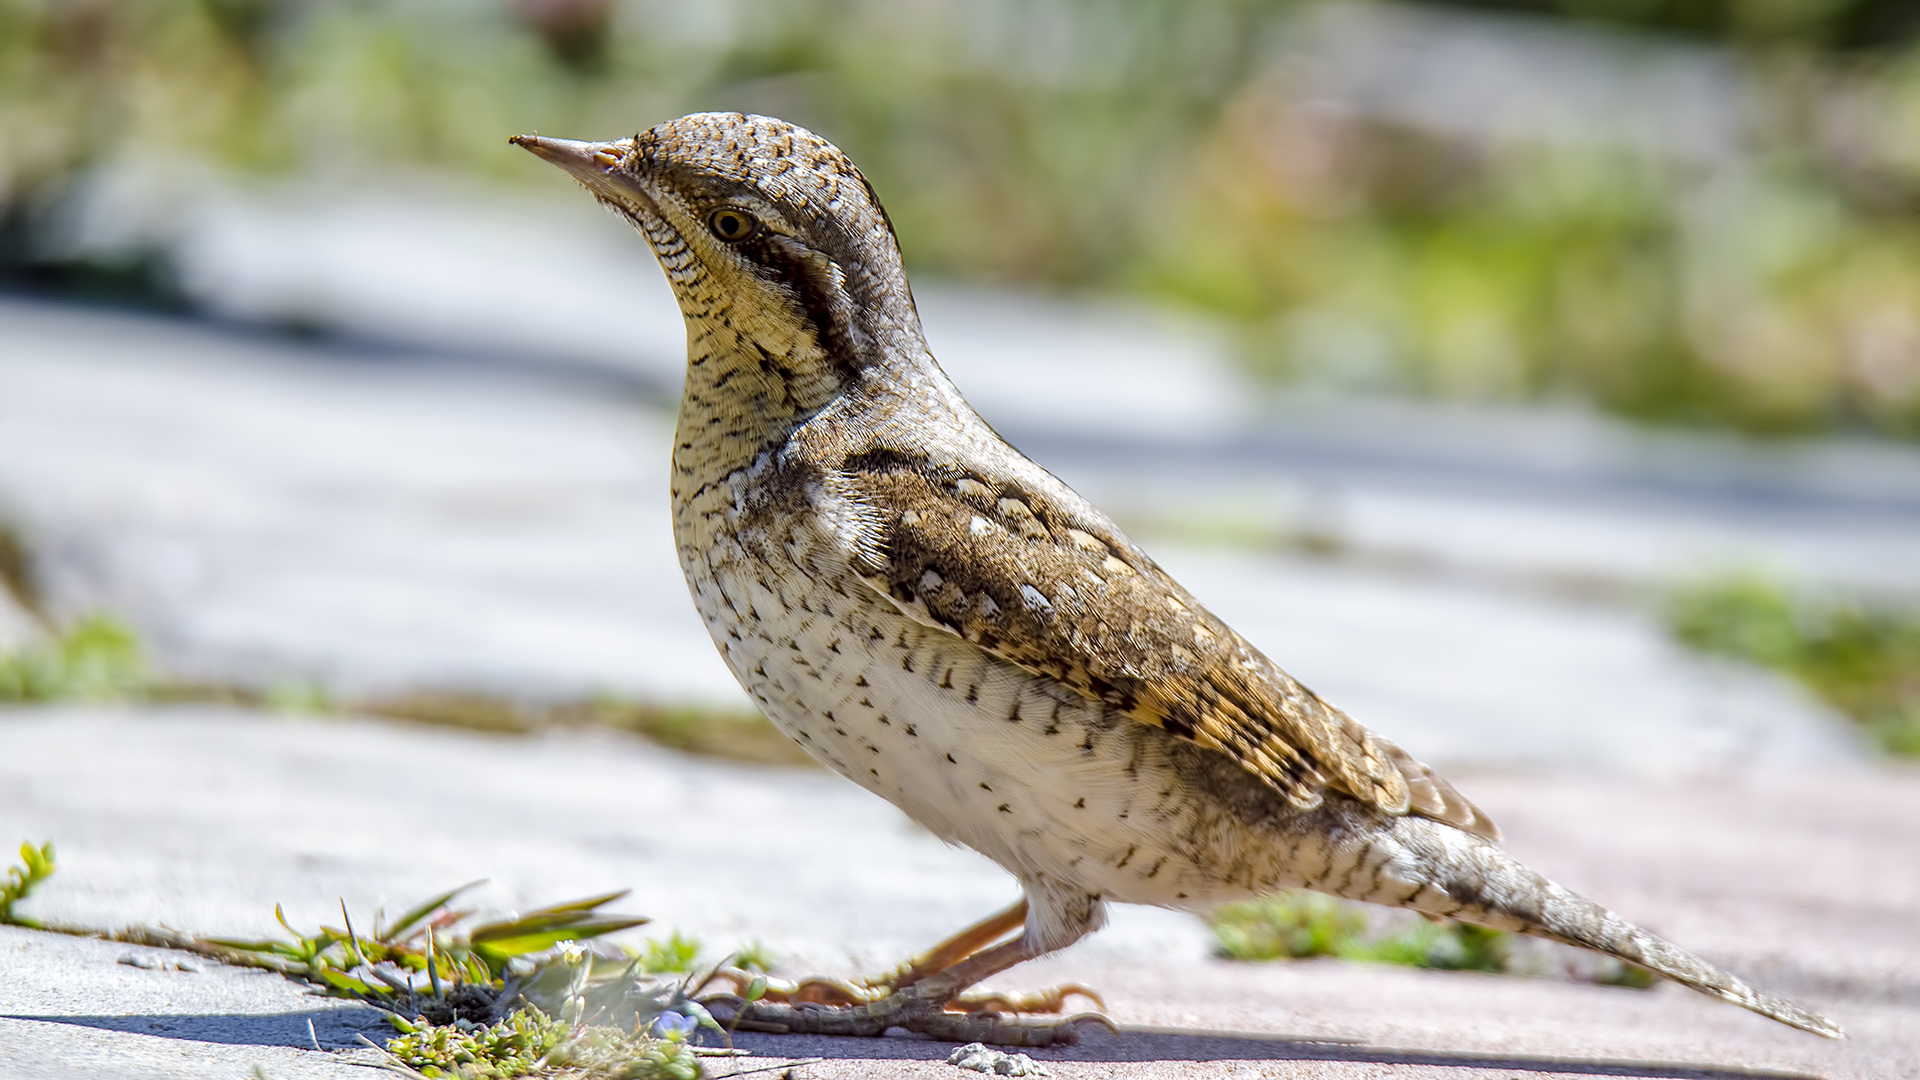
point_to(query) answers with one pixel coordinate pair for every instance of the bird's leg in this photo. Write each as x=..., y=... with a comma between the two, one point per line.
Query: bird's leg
x=959, y=947
x=929, y=1000
x=825, y=991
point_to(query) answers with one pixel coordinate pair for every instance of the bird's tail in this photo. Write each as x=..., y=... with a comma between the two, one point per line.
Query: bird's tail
x=1470, y=879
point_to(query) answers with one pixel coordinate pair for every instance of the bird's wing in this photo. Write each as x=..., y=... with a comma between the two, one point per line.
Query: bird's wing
x=1030, y=572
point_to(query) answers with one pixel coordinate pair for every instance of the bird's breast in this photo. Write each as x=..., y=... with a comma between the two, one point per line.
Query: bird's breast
x=1035, y=776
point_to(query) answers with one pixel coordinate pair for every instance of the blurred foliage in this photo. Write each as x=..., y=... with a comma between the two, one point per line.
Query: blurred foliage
x=1300, y=925
x=1755, y=295
x=1850, y=23
x=96, y=658
x=1165, y=146
x=737, y=735
x=675, y=954
x=36, y=866
x=1863, y=660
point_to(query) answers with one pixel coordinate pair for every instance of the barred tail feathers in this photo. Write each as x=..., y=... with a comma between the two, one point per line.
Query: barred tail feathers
x=1470, y=879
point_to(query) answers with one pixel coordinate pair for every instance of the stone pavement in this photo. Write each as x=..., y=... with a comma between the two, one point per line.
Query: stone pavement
x=1143, y=411
x=203, y=819
x=266, y=512
x=463, y=488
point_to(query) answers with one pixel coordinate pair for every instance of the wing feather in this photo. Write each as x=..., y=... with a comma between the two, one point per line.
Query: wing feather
x=1036, y=577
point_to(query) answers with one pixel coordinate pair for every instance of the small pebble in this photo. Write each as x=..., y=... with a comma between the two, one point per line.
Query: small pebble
x=151, y=962
x=985, y=1059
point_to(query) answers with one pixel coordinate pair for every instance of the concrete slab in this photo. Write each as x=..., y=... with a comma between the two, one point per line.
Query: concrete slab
x=203, y=819
x=70, y=1009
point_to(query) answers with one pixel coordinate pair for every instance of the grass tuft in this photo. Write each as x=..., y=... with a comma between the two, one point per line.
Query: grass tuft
x=676, y=955
x=512, y=997
x=1863, y=660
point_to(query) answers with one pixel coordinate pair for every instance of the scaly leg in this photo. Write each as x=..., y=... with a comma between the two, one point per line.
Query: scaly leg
x=925, y=998
x=837, y=992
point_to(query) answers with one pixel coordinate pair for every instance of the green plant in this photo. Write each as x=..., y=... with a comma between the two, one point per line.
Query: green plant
x=590, y=1027
x=753, y=956
x=466, y=968
x=677, y=954
x=512, y=997
x=1863, y=660
x=36, y=866
x=1292, y=926
x=1300, y=925
x=514, y=1046
x=98, y=657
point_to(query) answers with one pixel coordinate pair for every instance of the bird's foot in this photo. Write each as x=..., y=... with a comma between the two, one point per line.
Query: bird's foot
x=838, y=993
x=927, y=1007
x=814, y=990
x=1051, y=1000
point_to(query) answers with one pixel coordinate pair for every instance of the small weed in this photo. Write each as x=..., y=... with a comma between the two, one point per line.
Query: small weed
x=1295, y=926
x=1865, y=661
x=507, y=998
x=1301, y=925
x=36, y=866
x=677, y=954
x=427, y=962
x=514, y=1046
x=753, y=956
x=96, y=658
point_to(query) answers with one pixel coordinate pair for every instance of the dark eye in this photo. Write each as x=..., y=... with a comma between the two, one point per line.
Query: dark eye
x=732, y=226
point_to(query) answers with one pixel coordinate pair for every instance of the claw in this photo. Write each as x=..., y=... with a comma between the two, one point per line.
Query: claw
x=836, y=992
x=809, y=991
x=916, y=1011
x=1033, y=1001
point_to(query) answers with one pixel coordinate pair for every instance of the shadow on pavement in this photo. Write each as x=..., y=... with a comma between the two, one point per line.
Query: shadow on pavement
x=334, y=1029
x=1172, y=1045
x=327, y=1029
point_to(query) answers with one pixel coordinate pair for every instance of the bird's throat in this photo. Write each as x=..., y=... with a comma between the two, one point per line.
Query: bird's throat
x=752, y=377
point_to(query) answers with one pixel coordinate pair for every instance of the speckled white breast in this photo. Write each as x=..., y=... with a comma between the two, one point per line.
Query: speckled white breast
x=1029, y=773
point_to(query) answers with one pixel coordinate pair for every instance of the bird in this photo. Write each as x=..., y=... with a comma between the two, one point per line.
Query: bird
x=939, y=619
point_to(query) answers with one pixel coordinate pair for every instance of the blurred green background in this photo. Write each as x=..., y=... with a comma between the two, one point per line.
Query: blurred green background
x=1760, y=273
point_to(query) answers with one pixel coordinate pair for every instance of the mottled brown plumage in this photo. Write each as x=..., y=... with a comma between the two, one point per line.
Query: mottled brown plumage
x=945, y=623
x=1058, y=590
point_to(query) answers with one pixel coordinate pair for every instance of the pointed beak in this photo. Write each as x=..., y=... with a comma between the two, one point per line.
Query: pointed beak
x=592, y=163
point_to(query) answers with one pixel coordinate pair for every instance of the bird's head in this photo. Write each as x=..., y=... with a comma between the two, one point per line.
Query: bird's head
x=770, y=236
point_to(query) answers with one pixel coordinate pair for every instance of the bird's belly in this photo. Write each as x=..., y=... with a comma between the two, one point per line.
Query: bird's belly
x=1027, y=772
